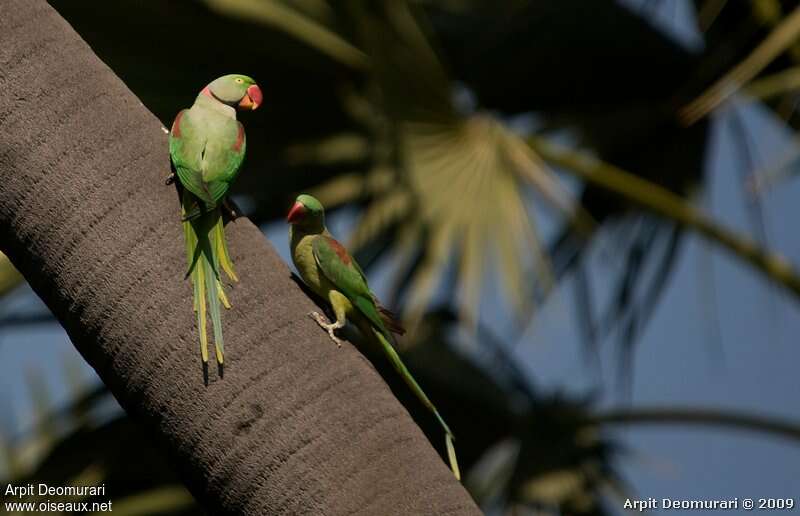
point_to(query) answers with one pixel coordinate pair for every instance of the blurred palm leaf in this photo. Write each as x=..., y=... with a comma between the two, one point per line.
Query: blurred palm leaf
x=783, y=168
x=774, y=67
x=306, y=20
x=554, y=463
x=9, y=276
x=9, y=465
x=673, y=207
x=463, y=199
x=782, y=37
x=79, y=445
x=459, y=182
x=48, y=425
x=169, y=499
x=775, y=85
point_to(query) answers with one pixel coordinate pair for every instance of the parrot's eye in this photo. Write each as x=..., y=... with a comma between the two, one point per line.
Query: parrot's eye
x=239, y=81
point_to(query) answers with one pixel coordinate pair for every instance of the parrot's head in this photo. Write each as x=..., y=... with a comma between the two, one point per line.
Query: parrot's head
x=306, y=211
x=237, y=91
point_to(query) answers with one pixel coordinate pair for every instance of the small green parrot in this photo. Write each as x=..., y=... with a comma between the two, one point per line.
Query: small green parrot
x=329, y=270
x=207, y=146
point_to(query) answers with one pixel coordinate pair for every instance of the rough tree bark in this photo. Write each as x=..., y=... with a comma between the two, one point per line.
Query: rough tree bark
x=296, y=425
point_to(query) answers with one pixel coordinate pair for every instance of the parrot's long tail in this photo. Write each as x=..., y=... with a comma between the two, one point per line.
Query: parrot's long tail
x=207, y=252
x=401, y=368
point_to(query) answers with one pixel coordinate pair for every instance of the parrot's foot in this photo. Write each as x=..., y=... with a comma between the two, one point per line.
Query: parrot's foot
x=170, y=179
x=329, y=327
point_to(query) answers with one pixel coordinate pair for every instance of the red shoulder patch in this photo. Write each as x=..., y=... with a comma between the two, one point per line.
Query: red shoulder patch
x=340, y=251
x=237, y=145
x=176, y=125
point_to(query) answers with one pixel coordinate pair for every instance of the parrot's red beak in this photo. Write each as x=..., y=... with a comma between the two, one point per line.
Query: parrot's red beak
x=252, y=99
x=296, y=213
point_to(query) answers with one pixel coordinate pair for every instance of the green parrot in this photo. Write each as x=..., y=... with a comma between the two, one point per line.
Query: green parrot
x=329, y=270
x=207, y=146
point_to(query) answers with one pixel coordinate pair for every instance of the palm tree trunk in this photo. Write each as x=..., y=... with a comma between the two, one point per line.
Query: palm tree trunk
x=296, y=425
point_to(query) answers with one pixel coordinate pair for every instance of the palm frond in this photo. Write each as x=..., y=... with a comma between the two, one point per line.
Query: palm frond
x=662, y=202
x=389, y=209
x=782, y=37
x=462, y=180
x=306, y=28
x=774, y=85
x=338, y=148
x=167, y=499
x=9, y=276
x=783, y=168
x=723, y=419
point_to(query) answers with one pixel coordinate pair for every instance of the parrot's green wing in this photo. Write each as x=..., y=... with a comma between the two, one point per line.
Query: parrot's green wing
x=344, y=273
x=207, y=150
x=186, y=145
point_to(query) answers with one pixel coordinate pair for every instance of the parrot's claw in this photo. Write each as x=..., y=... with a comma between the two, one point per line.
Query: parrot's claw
x=170, y=179
x=329, y=327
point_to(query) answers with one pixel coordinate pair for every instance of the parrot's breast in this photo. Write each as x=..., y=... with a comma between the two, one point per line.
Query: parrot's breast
x=303, y=258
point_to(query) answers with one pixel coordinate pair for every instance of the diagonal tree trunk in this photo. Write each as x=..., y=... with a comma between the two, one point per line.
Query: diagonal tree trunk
x=296, y=425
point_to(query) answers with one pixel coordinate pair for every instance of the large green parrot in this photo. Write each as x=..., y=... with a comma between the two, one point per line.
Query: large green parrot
x=329, y=270
x=207, y=146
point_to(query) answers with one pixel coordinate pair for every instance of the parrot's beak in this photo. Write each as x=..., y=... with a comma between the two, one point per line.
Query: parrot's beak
x=296, y=213
x=252, y=99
